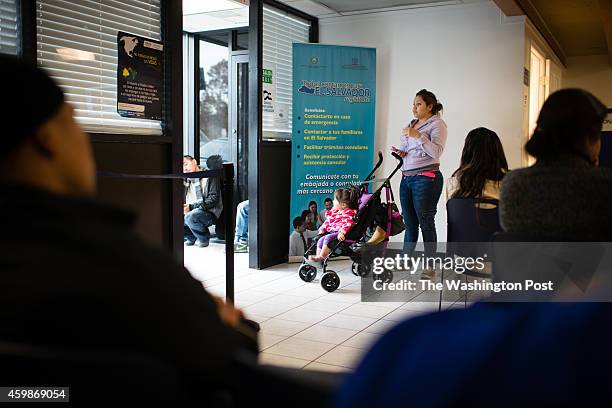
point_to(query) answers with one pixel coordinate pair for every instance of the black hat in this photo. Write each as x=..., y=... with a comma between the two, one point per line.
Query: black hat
x=30, y=98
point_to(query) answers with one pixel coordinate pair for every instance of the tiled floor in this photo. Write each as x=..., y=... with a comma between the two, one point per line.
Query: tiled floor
x=302, y=325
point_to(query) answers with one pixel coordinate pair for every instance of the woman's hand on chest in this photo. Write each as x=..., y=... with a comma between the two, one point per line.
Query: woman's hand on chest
x=411, y=132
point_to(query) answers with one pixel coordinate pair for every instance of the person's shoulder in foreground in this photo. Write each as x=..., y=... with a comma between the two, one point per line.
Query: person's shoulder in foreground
x=74, y=275
x=489, y=354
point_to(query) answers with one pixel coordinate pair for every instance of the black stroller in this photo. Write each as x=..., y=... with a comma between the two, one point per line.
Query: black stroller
x=366, y=219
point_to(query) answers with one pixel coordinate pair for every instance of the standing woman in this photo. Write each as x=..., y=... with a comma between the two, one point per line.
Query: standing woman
x=422, y=143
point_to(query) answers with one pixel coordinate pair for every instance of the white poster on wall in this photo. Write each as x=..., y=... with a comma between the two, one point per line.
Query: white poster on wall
x=275, y=110
x=607, y=125
x=268, y=91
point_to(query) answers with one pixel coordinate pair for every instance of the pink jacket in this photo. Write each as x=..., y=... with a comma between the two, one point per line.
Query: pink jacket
x=338, y=220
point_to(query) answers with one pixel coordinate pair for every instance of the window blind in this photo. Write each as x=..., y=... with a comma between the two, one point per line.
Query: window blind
x=280, y=31
x=10, y=38
x=77, y=45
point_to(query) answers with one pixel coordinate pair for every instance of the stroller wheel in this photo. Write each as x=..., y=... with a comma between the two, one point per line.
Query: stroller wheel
x=330, y=281
x=363, y=270
x=355, y=268
x=307, y=272
x=385, y=277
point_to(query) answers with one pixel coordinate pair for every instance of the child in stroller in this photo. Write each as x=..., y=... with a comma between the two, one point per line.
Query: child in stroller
x=338, y=221
x=367, y=213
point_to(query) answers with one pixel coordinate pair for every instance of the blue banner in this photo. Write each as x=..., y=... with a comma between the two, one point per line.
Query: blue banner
x=334, y=95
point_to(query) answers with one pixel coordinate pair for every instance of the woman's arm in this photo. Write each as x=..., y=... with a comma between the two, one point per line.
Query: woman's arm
x=434, y=145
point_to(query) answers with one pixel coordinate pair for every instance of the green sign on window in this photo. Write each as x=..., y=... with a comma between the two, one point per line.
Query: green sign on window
x=267, y=76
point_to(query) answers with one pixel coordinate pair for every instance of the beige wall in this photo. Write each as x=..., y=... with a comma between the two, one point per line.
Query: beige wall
x=470, y=56
x=593, y=73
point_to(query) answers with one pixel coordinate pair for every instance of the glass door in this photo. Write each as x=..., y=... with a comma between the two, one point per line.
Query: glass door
x=214, y=95
x=239, y=122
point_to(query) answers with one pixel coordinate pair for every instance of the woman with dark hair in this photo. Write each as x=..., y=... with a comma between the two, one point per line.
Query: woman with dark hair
x=422, y=144
x=564, y=195
x=308, y=220
x=315, y=217
x=483, y=166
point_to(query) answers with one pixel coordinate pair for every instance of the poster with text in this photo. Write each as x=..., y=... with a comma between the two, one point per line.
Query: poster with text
x=139, y=77
x=334, y=95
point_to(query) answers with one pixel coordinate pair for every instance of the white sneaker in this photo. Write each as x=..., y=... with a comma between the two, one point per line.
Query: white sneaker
x=428, y=274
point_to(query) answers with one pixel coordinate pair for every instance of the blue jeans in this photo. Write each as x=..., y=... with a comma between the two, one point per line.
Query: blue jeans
x=242, y=223
x=196, y=225
x=419, y=197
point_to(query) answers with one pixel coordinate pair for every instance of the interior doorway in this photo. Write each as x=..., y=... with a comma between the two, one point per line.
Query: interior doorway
x=218, y=64
x=222, y=105
x=239, y=122
x=537, y=91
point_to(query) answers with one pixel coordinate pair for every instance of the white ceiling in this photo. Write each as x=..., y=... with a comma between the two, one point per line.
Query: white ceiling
x=329, y=8
x=209, y=15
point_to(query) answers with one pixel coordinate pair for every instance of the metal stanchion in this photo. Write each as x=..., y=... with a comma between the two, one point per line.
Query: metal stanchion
x=228, y=205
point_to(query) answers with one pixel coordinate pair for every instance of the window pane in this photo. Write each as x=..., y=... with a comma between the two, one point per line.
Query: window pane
x=10, y=33
x=77, y=45
x=280, y=31
x=214, y=138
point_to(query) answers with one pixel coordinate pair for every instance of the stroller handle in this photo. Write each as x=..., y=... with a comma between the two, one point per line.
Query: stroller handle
x=398, y=158
x=378, y=164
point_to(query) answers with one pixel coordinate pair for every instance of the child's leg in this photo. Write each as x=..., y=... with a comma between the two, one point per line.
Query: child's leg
x=323, y=247
x=321, y=254
x=324, y=252
x=317, y=257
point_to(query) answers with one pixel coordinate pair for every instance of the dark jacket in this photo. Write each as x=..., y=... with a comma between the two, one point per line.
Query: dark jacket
x=490, y=355
x=565, y=198
x=73, y=274
x=210, y=198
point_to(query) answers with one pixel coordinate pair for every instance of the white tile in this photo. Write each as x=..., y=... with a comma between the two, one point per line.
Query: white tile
x=344, y=295
x=211, y=281
x=326, y=334
x=323, y=305
x=421, y=306
x=342, y=356
x=316, y=366
x=266, y=309
x=312, y=290
x=400, y=315
x=362, y=340
x=380, y=327
x=388, y=305
x=282, y=285
x=303, y=314
x=300, y=348
x=267, y=340
x=249, y=297
x=275, y=359
x=348, y=322
x=283, y=327
x=217, y=290
x=287, y=300
x=363, y=310
x=257, y=318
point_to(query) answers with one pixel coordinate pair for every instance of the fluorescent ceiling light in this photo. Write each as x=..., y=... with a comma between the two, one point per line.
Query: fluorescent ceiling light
x=206, y=6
